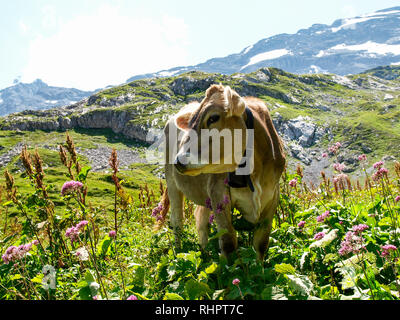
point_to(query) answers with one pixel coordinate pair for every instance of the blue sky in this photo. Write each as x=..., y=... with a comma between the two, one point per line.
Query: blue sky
x=89, y=44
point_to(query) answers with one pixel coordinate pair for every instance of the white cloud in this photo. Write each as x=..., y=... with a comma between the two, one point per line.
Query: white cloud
x=106, y=48
x=23, y=27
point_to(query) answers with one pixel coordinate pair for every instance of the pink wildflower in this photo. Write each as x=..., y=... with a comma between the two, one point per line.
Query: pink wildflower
x=362, y=157
x=236, y=282
x=397, y=199
x=319, y=236
x=301, y=224
x=360, y=228
x=334, y=149
x=379, y=173
x=323, y=216
x=13, y=253
x=112, y=234
x=378, y=164
x=386, y=249
x=324, y=155
x=71, y=186
x=353, y=243
x=74, y=231
x=339, y=167
x=157, y=210
x=293, y=183
x=132, y=297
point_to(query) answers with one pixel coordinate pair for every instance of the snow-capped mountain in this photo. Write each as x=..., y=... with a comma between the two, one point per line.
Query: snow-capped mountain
x=348, y=46
x=37, y=96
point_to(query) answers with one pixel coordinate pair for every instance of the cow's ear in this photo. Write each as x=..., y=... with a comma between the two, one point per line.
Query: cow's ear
x=235, y=105
x=184, y=115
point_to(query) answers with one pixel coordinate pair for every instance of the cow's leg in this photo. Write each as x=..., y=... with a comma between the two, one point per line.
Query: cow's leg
x=176, y=201
x=261, y=238
x=223, y=219
x=262, y=232
x=202, y=215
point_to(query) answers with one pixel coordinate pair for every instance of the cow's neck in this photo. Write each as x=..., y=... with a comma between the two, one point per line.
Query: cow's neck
x=243, y=181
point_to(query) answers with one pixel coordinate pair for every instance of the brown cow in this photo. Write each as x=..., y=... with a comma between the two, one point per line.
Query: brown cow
x=206, y=184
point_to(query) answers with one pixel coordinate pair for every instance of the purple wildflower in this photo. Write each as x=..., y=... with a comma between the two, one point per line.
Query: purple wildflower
x=226, y=199
x=157, y=210
x=319, y=236
x=211, y=218
x=301, y=224
x=74, y=231
x=226, y=181
x=323, y=216
x=14, y=253
x=71, y=186
x=220, y=208
x=208, y=204
x=353, y=243
x=360, y=228
x=82, y=224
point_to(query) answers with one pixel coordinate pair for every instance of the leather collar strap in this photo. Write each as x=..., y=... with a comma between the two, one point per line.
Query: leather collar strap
x=242, y=181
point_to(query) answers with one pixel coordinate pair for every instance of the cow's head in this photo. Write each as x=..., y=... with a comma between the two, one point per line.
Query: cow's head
x=214, y=133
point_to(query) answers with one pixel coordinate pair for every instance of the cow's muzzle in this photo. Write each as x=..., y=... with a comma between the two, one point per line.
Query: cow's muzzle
x=181, y=162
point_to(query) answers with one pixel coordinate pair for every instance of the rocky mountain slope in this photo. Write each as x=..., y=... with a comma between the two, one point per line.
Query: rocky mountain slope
x=37, y=96
x=348, y=46
x=309, y=111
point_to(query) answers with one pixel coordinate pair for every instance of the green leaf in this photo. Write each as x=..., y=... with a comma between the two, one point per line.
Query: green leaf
x=285, y=268
x=172, y=296
x=212, y=268
x=272, y=292
x=83, y=174
x=16, y=277
x=103, y=246
x=38, y=278
x=195, y=289
x=220, y=233
x=300, y=284
x=5, y=204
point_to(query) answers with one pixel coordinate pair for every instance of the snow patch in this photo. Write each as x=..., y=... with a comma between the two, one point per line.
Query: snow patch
x=371, y=48
x=167, y=73
x=351, y=23
x=269, y=55
x=374, y=14
x=52, y=101
x=248, y=49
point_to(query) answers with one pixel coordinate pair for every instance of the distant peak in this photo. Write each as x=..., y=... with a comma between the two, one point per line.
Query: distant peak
x=389, y=9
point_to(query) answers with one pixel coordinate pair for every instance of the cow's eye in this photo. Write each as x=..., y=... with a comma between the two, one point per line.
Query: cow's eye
x=212, y=119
